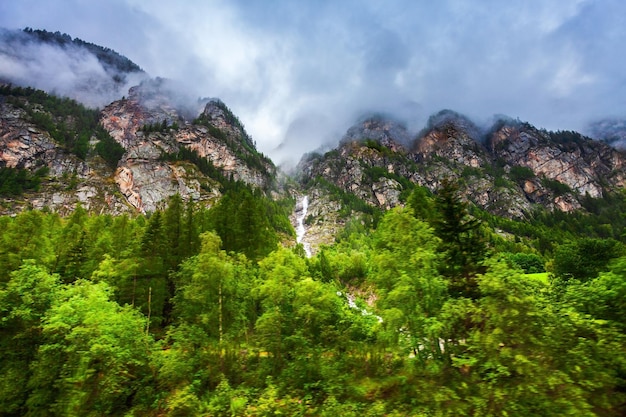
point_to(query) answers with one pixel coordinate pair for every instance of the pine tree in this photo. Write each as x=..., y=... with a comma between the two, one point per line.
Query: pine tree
x=462, y=243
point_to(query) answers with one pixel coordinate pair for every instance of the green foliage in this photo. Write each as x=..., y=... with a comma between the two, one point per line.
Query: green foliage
x=530, y=263
x=211, y=291
x=94, y=355
x=249, y=223
x=516, y=357
x=469, y=171
x=422, y=204
x=462, y=244
x=27, y=236
x=373, y=144
x=557, y=187
x=603, y=297
x=15, y=181
x=567, y=137
x=107, y=147
x=583, y=259
x=159, y=127
x=157, y=315
x=411, y=291
x=520, y=173
x=23, y=303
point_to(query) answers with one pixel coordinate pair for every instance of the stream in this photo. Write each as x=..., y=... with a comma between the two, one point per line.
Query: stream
x=302, y=207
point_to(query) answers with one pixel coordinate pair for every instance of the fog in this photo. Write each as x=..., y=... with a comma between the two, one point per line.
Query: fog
x=298, y=74
x=64, y=70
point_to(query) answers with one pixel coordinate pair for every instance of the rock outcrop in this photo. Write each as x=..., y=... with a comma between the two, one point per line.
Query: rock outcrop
x=585, y=166
x=507, y=170
x=167, y=152
x=70, y=181
x=147, y=178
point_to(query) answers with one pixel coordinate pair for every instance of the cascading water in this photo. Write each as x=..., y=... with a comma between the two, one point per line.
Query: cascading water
x=301, y=213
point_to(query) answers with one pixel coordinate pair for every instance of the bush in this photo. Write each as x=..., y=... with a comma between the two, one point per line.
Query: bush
x=519, y=173
x=557, y=187
x=529, y=262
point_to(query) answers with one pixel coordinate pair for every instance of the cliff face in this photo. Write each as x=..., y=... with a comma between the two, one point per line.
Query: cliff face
x=24, y=145
x=584, y=165
x=507, y=170
x=166, y=152
x=146, y=178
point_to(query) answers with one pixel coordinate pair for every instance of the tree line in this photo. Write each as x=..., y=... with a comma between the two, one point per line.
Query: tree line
x=195, y=311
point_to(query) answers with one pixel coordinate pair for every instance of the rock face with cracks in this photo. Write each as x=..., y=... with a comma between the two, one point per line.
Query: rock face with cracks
x=69, y=181
x=507, y=170
x=154, y=130
x=144, y=176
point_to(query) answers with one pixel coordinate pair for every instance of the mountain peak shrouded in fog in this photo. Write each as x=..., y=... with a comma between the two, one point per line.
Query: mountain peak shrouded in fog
x=446, y=119
x=609, y=130
x=65, y=66
x=383, y=129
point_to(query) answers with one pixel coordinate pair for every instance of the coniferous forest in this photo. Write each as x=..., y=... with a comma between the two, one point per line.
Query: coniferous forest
x=434, y=310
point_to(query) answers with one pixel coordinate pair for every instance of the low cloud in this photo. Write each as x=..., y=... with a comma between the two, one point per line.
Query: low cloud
x=65, y=70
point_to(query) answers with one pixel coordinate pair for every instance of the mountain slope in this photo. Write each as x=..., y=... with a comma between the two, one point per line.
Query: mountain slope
x=510, y=170
x=162, y=153
x=157, y=141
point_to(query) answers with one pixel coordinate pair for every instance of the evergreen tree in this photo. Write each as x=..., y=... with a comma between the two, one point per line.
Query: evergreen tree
x=584, y=258
x=241, y=221
x=24, y=301
x=462, y=243
x=151, y=287
x=94, y=355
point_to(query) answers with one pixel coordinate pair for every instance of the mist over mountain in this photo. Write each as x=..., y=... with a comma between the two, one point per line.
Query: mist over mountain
x=298, y=77
x=610, y=130
x=66, y=66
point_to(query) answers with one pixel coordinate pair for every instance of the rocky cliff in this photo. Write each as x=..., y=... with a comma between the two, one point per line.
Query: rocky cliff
x=166, y=152
x=151, y=127
x=508, y=169
x=70, y=180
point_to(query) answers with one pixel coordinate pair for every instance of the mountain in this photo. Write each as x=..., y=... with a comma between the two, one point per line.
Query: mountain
x=461, y=270
x=156, y=164
x=154, y=151
x=65, y=66
x=511, y=169
x=156, y=139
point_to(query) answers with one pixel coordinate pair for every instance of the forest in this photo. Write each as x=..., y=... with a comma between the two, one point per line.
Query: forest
x=433, y=309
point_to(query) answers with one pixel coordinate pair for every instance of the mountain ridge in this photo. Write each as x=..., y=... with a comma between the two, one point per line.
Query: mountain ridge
x=174, y=143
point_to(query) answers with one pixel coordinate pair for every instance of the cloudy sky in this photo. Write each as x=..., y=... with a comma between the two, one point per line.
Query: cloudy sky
x=299, y=73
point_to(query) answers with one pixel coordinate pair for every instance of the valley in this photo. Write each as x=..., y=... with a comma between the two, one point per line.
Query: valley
x=153, y=262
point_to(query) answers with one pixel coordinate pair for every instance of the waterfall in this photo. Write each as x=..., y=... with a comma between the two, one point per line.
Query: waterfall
x=301, y=213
